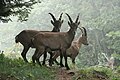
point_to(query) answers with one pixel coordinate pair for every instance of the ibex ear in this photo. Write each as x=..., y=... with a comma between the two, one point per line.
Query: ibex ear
x=78, y=22
x=52, y=22
x=62, y=21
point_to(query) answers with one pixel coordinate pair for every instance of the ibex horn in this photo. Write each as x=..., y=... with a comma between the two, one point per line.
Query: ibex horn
x=85, y=32
x=53, y=16
x=60, y=16
x=77, y=19
x=81, y=29
x=69, y=18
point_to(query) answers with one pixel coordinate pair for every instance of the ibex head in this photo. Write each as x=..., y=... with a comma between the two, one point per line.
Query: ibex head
x=84, y=36
x=56, y=23
x=73, y=25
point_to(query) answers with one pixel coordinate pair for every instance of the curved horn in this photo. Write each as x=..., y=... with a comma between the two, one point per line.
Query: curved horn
x=85, y=32
x=69, y=18
x=53, y=16
x=60, y=16
x=77, y=19
x=81, y=29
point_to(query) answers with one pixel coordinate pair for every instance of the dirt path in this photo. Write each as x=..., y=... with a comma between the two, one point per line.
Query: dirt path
x=63, y=74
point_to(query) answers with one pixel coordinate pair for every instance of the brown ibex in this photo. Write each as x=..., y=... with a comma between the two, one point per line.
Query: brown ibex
x=25, y=36
x=73, y=51
x=51, y=41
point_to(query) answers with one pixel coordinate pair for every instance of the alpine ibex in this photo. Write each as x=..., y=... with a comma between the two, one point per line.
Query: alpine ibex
x=25, y=36
x=51, y=41
x=73, y=51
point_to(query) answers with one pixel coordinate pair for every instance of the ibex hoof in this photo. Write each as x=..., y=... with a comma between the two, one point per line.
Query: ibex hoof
x=61, y=65
x=50, y=64
x=26, y=61
x=67, y=68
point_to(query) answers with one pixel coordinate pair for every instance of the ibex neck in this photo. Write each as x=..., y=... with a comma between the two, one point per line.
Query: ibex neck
x=55, y=30
x=71, y=34
x=79, y=42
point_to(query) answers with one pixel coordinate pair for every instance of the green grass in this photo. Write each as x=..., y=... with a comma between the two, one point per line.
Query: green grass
x=24, y=71
x=17, y=69
x=97, y=73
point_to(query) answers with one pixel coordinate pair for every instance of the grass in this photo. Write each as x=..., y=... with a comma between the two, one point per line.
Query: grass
x=20, y=70
x=17, y=69
x=97, y=73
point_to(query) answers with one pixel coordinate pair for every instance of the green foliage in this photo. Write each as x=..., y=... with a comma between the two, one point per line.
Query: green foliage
x=18, y=8
x=103, y=31
x=23, y=14
x=113, y=40
x=97, y=73
x=117, y=56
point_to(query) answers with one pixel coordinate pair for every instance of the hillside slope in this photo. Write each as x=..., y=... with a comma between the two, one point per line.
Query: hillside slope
x=17, y=69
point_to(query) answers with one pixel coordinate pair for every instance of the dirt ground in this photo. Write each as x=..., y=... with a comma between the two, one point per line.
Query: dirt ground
x=63, y=74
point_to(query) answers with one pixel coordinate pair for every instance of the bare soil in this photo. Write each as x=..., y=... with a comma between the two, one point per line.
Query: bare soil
x=63, y=74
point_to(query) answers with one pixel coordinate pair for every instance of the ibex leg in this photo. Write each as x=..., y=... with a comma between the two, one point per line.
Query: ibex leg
x=61, y=57
x=66, y=64
x=56, y=55
x=44, y=57
x=57, y=62
x=41, y=51
x=73, y=61
x=24, y=52
x=34, y=56
x=51, y=60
